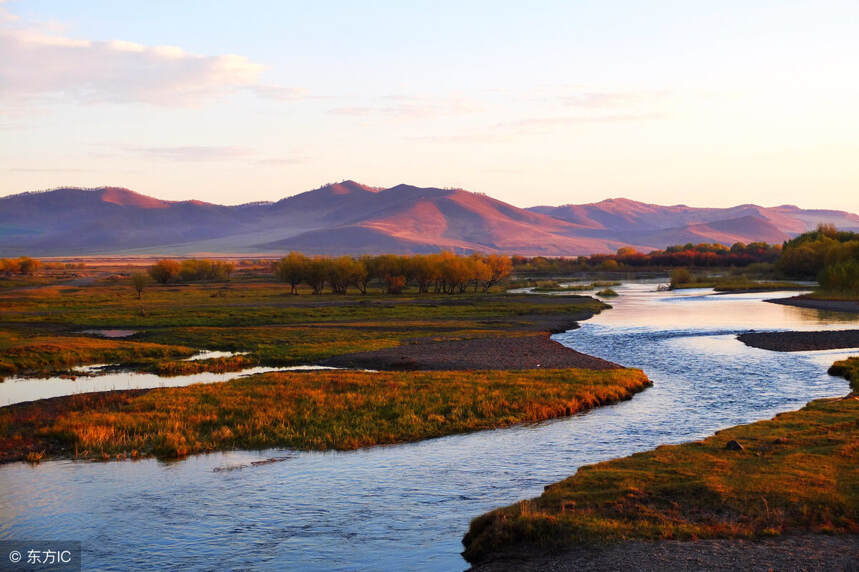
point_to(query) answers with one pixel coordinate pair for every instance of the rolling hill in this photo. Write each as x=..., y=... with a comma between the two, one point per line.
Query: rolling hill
x=351, y=218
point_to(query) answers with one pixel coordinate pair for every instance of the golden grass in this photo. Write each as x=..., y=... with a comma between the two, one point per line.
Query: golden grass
x=46, y=354
x=797, y=472
x=318, y=410
x=849, y=370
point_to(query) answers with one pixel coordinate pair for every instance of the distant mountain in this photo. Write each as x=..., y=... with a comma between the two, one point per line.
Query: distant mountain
x=658, y=226
x=351, y=218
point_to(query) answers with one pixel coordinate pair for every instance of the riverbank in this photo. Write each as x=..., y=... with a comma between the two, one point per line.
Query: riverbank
x=818, y=303
x=813, y=551
x=795, y=474
x=801, y=341
x=314, y=411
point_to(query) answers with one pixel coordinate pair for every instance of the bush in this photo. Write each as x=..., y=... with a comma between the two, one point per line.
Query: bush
x=841, y=277
x=165, y=271
x=680, y=276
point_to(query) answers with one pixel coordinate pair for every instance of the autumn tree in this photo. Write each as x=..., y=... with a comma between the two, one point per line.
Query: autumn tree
x=363, y=281
x=317, y=273
x=291, y=269
x=165, y=271
x=424, y=271
x=27, y=265
x=500, y=267
x=139, y=281
x=344, y=272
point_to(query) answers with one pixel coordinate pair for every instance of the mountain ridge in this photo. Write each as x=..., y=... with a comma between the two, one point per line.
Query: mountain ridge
x=352, y=218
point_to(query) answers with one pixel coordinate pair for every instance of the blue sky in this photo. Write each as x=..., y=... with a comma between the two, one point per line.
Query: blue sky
x=700, y=103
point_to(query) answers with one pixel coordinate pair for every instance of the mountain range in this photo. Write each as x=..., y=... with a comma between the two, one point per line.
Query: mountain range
x=351, y=218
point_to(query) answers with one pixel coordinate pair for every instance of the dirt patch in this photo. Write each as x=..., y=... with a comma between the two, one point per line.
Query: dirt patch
x=801, y=341
x=830, y=305
x=521, y=352
x=796, y=552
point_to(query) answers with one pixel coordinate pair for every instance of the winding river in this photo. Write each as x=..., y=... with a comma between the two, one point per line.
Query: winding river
x=407, y=506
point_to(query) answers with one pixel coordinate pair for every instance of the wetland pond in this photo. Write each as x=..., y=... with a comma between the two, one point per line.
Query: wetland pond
x=406, y=507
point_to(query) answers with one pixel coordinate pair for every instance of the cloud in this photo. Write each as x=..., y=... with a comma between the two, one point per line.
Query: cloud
x=281, y=161
x=409, y=107
x=544, y=124
x=280, y=93
x=509, y=130
x=41, y=63
x=191, y=152
x=46, y=170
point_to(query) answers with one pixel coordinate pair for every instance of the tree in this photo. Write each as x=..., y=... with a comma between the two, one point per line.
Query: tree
x=165, y=271
x=317, y=273
x=139, y=281
x=344, y=272
x=500, y=268
x=363, y=281
x=28, y=265
x=292, y=269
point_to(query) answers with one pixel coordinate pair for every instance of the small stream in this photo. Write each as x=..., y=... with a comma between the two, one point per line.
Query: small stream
x=406, y=507
x=110, y=377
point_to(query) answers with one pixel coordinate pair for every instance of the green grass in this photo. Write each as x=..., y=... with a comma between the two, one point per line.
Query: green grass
x=849, y=370
x=34, y=355
x=798, y=472
x=314, y=410
x=831, y=295
x=39, y=332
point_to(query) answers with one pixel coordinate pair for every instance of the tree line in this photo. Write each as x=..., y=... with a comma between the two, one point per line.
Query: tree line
x=679, y=255
x=827, y=254
x=442, y=273
x=195, y=269
x=22, y=265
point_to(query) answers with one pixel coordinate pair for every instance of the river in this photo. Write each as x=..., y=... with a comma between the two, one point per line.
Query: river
x=407, y=506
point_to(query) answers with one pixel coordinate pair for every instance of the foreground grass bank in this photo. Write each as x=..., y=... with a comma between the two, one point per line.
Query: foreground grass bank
x=798, y=472
x=318, y=410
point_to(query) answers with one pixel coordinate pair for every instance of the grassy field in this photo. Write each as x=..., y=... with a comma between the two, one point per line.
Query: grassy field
x=318, y=410
x=40, y=327
x=797, y=472
x=22, y=354
x=41, y=333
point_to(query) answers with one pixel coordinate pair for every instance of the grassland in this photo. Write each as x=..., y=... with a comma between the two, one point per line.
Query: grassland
x=34, y=354
x=319, y=410
x=41, y=333
x=796, y=473
x=40, y=327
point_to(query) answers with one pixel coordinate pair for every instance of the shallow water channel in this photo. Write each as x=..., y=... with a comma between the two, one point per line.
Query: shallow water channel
x=407, y=506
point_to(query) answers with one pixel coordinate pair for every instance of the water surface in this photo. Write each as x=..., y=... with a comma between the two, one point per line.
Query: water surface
x=406, y=507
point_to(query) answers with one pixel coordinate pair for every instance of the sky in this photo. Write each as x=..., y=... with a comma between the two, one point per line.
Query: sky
x=669, y=102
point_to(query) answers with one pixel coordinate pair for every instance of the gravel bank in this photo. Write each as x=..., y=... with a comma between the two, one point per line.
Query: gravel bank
x=801, y=341
x=520, y=352
x=795, y=552
x=830, y=305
